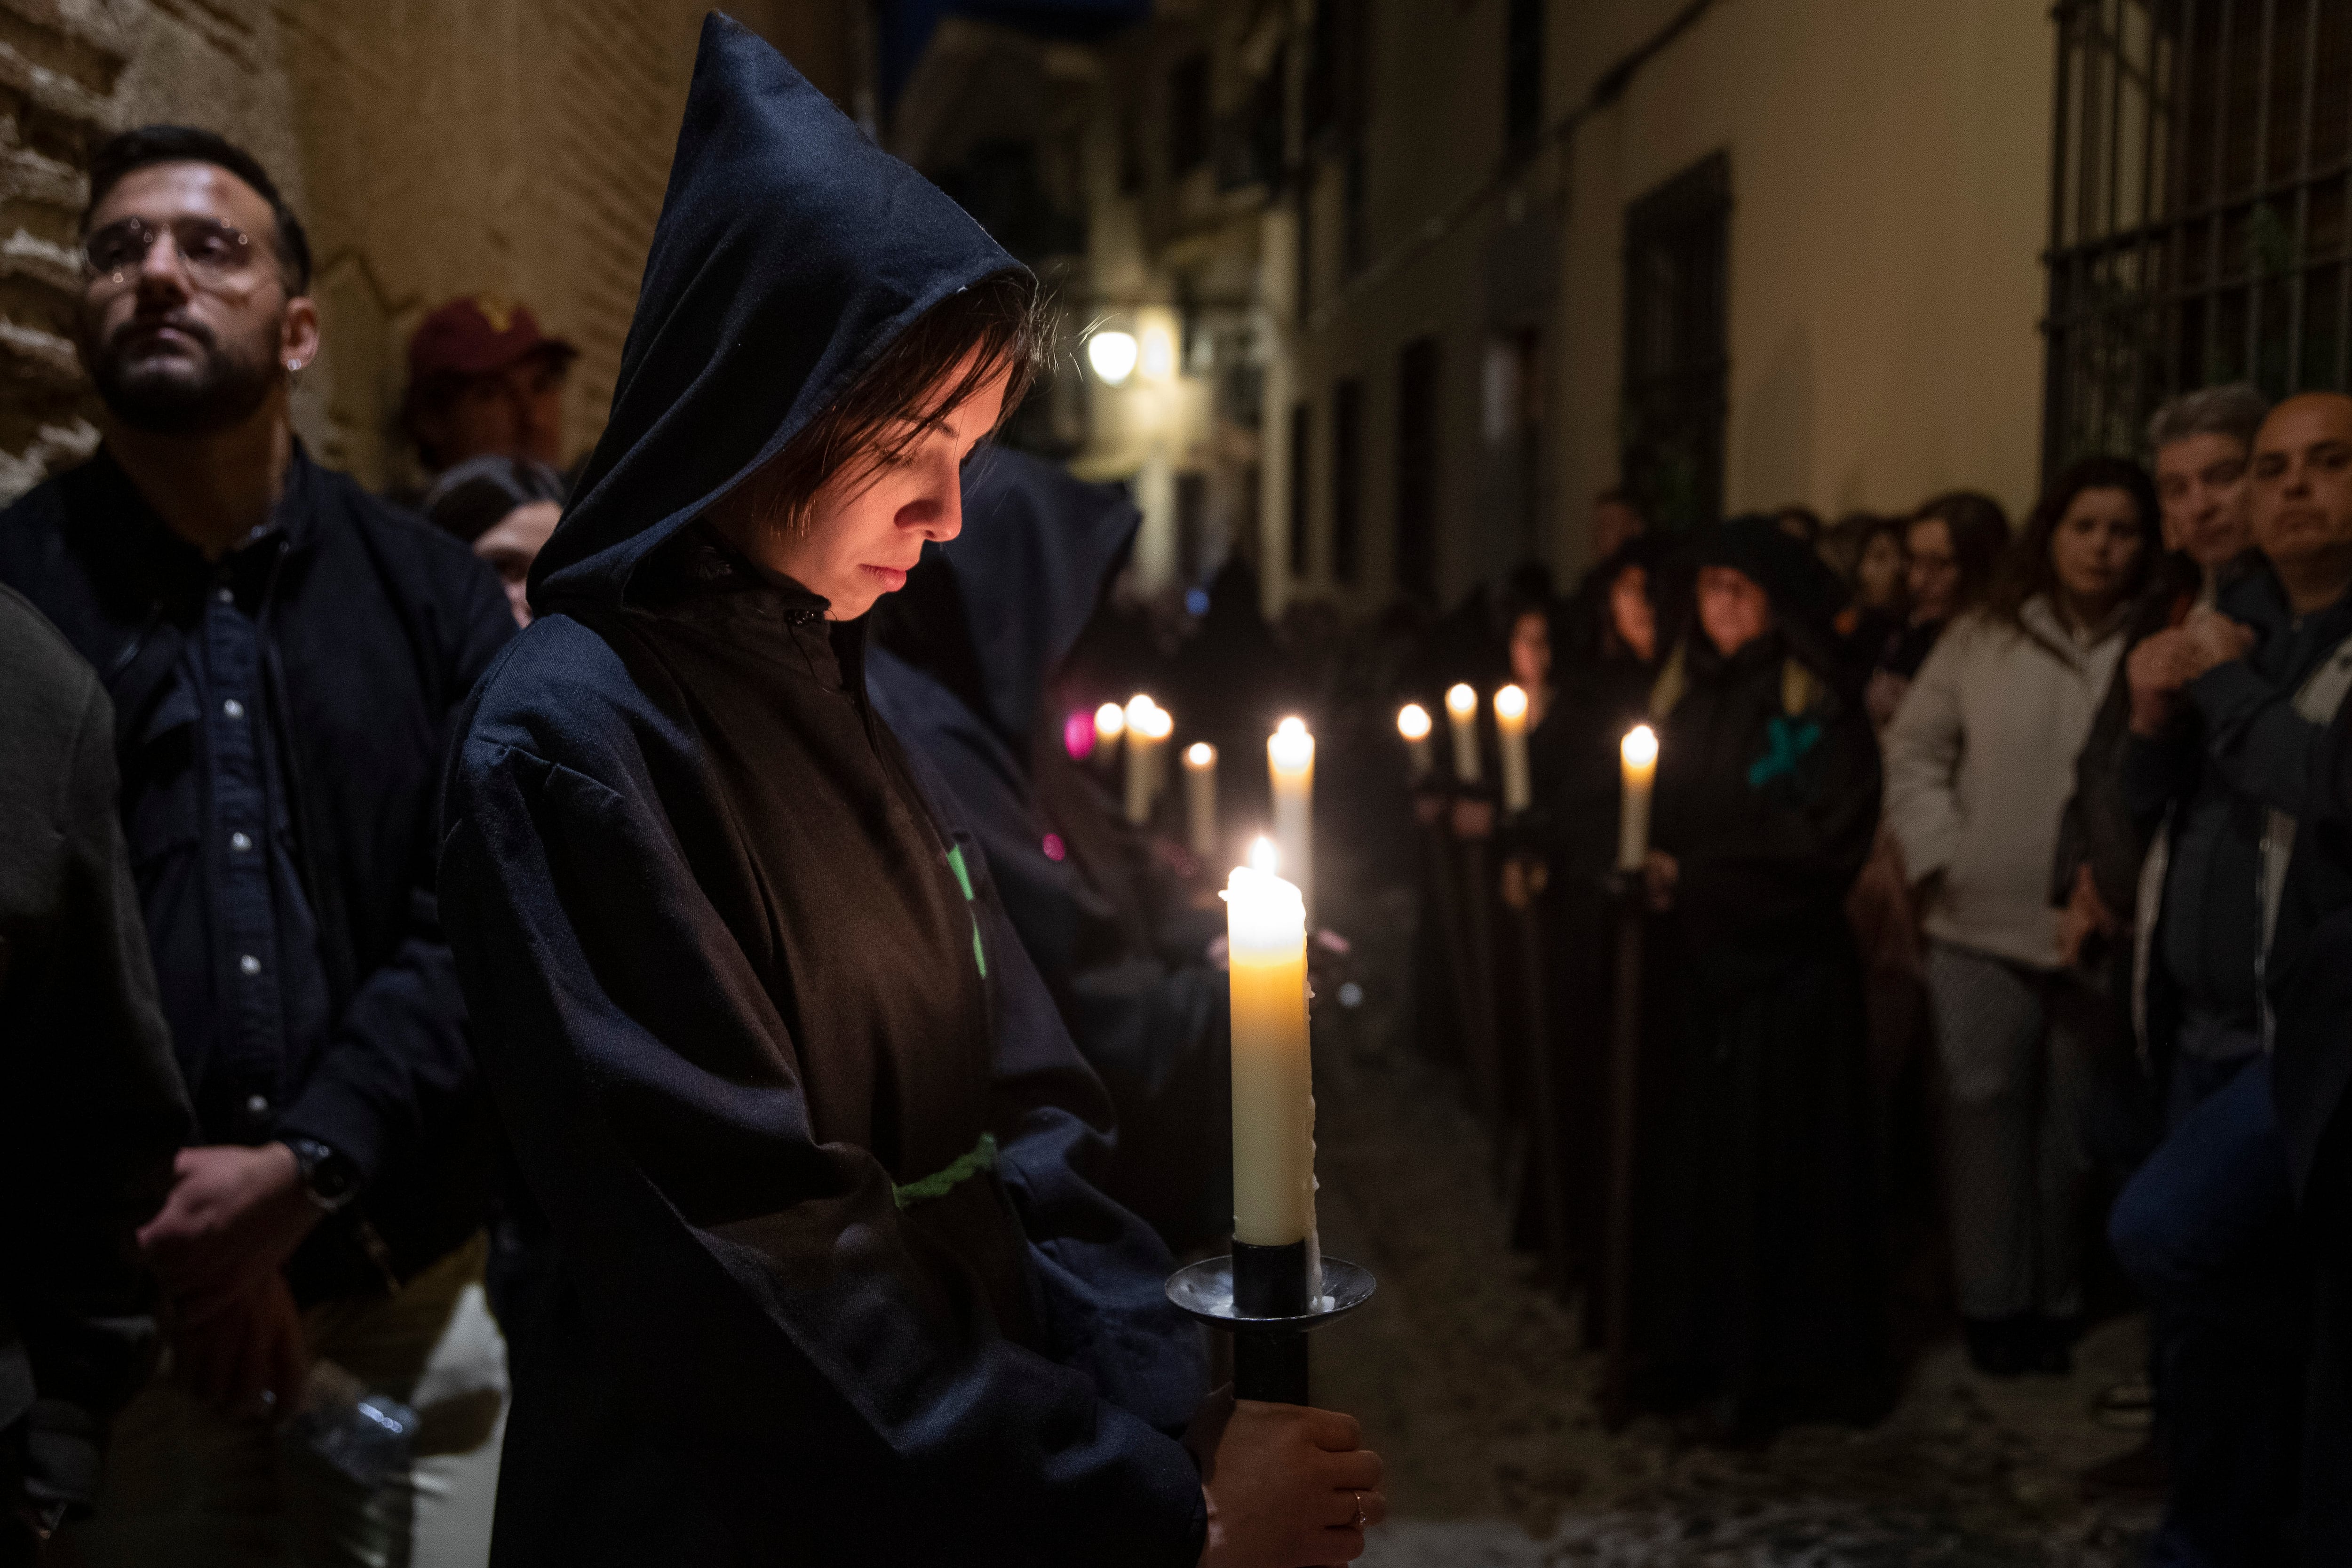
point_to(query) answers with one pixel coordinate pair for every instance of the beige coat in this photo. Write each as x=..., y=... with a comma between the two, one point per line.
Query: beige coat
x=1979, y=765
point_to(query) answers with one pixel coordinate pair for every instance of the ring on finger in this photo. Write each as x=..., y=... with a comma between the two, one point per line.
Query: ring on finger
x=1358, y=1522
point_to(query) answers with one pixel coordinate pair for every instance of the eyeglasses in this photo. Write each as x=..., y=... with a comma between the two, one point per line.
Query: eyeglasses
x=208, y=249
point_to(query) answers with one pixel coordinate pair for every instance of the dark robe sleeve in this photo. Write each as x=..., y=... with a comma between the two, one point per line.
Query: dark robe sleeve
x=399, y=1073
x=767, y=1314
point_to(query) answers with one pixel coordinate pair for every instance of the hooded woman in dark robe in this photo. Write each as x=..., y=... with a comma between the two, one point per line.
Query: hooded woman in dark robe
x=965, y=670
x=1604, y=670
x=830, y=1281
x=1763, y=1295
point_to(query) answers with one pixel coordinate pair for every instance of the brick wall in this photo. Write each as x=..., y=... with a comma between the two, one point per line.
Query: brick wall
x=434, y=148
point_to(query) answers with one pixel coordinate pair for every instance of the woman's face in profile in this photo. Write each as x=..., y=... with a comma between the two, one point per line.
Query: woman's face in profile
x=1531, y=650
x=866, y=526
x=1631, y=614
x=1878, y=575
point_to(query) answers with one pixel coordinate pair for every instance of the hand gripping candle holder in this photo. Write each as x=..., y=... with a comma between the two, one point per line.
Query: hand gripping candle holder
x=1259, y=1296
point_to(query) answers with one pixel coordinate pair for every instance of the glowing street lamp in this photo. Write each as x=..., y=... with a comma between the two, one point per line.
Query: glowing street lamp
x=1113, y=355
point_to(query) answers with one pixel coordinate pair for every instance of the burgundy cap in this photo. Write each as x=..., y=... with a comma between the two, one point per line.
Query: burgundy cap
x=477, y=335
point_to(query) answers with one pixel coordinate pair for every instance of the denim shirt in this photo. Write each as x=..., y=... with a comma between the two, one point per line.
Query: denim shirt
x=213, y=849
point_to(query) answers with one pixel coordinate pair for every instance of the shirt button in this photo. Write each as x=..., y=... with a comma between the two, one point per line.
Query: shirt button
x=258, y=1105
x=250, y=965
x=240, y=842
x=225, y=596
x=233, y=708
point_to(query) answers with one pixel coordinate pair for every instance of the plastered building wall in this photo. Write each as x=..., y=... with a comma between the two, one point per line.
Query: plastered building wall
x=1890, y=167
x=432, y=147
x=1890, y=188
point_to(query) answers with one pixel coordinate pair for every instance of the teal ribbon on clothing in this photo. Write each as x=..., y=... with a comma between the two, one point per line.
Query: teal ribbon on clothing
x=1785, y=742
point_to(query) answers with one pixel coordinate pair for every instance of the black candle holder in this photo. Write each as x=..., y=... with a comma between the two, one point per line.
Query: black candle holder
x=1259, y=1296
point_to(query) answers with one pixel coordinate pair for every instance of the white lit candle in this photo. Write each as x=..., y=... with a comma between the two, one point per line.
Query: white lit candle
x=1290, y=763
x=1137, y=722
x=1274, y=1082
x=1110, y=723
x=1462, y=711
x=1639, y=752
x=1413, y=723
x=1201, y=795
x=1511, y=728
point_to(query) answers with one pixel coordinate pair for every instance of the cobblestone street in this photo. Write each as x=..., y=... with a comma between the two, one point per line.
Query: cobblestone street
x=1471, y=1383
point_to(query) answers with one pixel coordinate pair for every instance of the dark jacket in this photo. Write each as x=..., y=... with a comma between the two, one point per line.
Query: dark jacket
x=750, y=1009
x=2240, y=754
x=2311, y=964
x=968, y=650
x=375, y=628
x=91, y=1106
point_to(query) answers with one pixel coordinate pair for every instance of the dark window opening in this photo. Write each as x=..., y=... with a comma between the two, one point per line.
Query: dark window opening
x=1250, y=142
x=1301, y=452
x=1417, y=470
x=1676, y=354
x=1347, y=478
x=1191, y=528
x=2200, y=208
x=1188, y=115
x=1523, y=75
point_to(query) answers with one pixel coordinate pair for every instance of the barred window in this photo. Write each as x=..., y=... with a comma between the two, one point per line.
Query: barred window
x=2199, y=208
x=1677, y=351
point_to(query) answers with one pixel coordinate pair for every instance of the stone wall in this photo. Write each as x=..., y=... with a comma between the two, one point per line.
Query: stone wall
x=434, y=148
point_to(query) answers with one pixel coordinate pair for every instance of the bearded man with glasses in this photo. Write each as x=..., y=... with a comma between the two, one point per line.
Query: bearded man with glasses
x=283, y=651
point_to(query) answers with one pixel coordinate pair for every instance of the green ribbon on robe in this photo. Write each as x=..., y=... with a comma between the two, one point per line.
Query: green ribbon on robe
x=963, y=880
x=939, y=1183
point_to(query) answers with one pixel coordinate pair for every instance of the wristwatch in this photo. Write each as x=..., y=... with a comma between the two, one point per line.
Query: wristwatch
x=327, y=1176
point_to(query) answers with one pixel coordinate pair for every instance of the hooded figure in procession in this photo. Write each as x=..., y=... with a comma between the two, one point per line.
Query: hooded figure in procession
x=807, y=1147
x=965, y=670
x=1762, y=1301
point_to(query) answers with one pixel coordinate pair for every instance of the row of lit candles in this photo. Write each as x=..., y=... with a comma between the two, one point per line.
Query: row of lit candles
x=1637, y=756
x=1144, y=727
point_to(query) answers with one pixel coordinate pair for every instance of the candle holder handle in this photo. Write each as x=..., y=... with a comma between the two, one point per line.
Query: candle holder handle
x=1270, y=1360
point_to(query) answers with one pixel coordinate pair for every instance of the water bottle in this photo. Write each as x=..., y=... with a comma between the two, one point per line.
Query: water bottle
x=368, y=1437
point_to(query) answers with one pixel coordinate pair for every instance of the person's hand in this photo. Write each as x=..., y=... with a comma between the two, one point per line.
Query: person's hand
x=1473, y=818
x=246, y=1354
x=1883, y=696
x=234, y=1217
x=1287, y=1487
x=2213, y=638
x=2156, y=671
x=2086, y=915
x=1661, y=874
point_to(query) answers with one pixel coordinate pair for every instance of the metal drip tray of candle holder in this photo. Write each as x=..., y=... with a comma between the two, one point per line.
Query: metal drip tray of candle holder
x=1205, y=1290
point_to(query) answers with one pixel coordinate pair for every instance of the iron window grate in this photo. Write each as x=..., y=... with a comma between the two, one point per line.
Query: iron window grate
x=2200, y=208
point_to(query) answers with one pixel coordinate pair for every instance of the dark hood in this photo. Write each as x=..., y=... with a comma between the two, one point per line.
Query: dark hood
x=994, y=611
x=791, y=251
x=1806, y=595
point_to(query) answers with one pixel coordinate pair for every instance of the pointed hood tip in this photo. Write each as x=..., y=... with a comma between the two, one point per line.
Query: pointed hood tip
x=791, y=251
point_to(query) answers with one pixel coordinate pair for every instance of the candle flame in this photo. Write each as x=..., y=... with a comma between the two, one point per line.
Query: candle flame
x=1640, y=748
x=1462, y=700
x=1263, y=856
x=1156, y=724
x=1510, y=703
x=1138, y=710
x=1111, y=720
x=1293, y=725
x=1413, y=722
x=1201, y=754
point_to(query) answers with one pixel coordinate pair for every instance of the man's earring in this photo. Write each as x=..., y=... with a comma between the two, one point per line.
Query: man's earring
x=293, y=367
